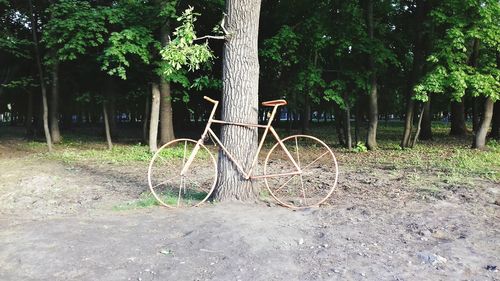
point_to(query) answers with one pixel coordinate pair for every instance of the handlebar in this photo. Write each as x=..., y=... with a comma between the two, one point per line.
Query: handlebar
x=210, y=100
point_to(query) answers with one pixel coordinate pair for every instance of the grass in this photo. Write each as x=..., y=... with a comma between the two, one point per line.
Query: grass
x=448, y=157
x=146, y=200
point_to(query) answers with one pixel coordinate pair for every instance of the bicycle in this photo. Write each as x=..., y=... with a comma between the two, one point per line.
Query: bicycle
x=183, y=172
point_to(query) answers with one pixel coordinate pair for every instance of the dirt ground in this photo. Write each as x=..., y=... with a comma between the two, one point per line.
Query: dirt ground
x=57, y=222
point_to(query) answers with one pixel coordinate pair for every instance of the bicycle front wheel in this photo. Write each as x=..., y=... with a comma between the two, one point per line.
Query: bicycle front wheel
x=317, y=179
x=175, y=190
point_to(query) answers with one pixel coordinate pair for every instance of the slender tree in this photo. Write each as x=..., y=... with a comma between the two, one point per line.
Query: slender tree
x=34, y=28
x=371, y=138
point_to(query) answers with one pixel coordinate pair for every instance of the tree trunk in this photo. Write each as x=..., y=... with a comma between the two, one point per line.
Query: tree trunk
x=240, y=78
x=458, y=127
x=473, y=60
x=371, y=138
x=110, y=93
x=419, y=51
x=34, y=29
x=305, y=117
x=106, y=126
x=480, y=137
x=475, y=114
x=155, y=114
x=166, y=123
x=54, y=103
x=357, y=121
x=419, y=125
x=426, y=124
x=29, y=116
x=495, y=122
x=145, y=121
x=339, y=125
x=347, y=127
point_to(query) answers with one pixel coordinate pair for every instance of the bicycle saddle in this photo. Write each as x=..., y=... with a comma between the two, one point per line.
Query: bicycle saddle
x=274, y=103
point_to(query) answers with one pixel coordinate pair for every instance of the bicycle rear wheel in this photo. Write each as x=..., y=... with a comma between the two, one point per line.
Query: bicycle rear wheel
x=319, y=174
x=191, y=189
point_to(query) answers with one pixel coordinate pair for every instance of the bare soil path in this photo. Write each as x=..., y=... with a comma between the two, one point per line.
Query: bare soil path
x=57, y=222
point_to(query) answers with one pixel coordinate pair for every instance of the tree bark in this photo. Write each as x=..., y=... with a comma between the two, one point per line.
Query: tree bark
x=495, y=122
x=416, y=72
x=155, y=114
x=145, y=121
x=54, y=102
x=339, y=126
x=371, y=138
x=106, y=126
x=305, y=117
x=419, y=126
x=166, y=122
x=240, y=78
x=475, y=114
x=28, y=123
x=426, y=133
x=458, y=127
x=347, y=127
x=34, y=29
x=480, y=137
x=357, y=123
x=111, y=90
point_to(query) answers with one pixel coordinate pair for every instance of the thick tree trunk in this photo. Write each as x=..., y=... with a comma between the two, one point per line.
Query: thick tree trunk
x=371, y=138
x=426, y=133
x=166, y=122
x=475, y=114
x=240, y=78
x=480, y=137
x=54, y=103
x=458, y=127
x=495, y=122
x=34, y=29
x=339, y=126
x=155, y=114
x=106, y=126
x=419, y=51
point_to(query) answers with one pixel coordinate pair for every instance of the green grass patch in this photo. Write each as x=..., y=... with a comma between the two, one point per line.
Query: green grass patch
x=145, y=201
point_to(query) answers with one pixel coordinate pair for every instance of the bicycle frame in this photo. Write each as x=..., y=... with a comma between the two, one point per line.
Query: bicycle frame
x=267, y=128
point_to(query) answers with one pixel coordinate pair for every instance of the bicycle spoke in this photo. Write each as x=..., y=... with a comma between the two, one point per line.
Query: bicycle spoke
x=305, y=190
x=316, y=159
x=171, y=180
x=180, y=190
x=283, y=185
x=169, y=186
x=184, y=157
x=194, y=183
x=297, y=151
x=165, y=160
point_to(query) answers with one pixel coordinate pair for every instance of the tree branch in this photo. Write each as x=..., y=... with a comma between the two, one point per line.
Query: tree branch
x=221, y=37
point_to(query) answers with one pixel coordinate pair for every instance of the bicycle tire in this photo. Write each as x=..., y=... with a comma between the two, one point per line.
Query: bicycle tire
x=317, y=181
x=173, y=190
